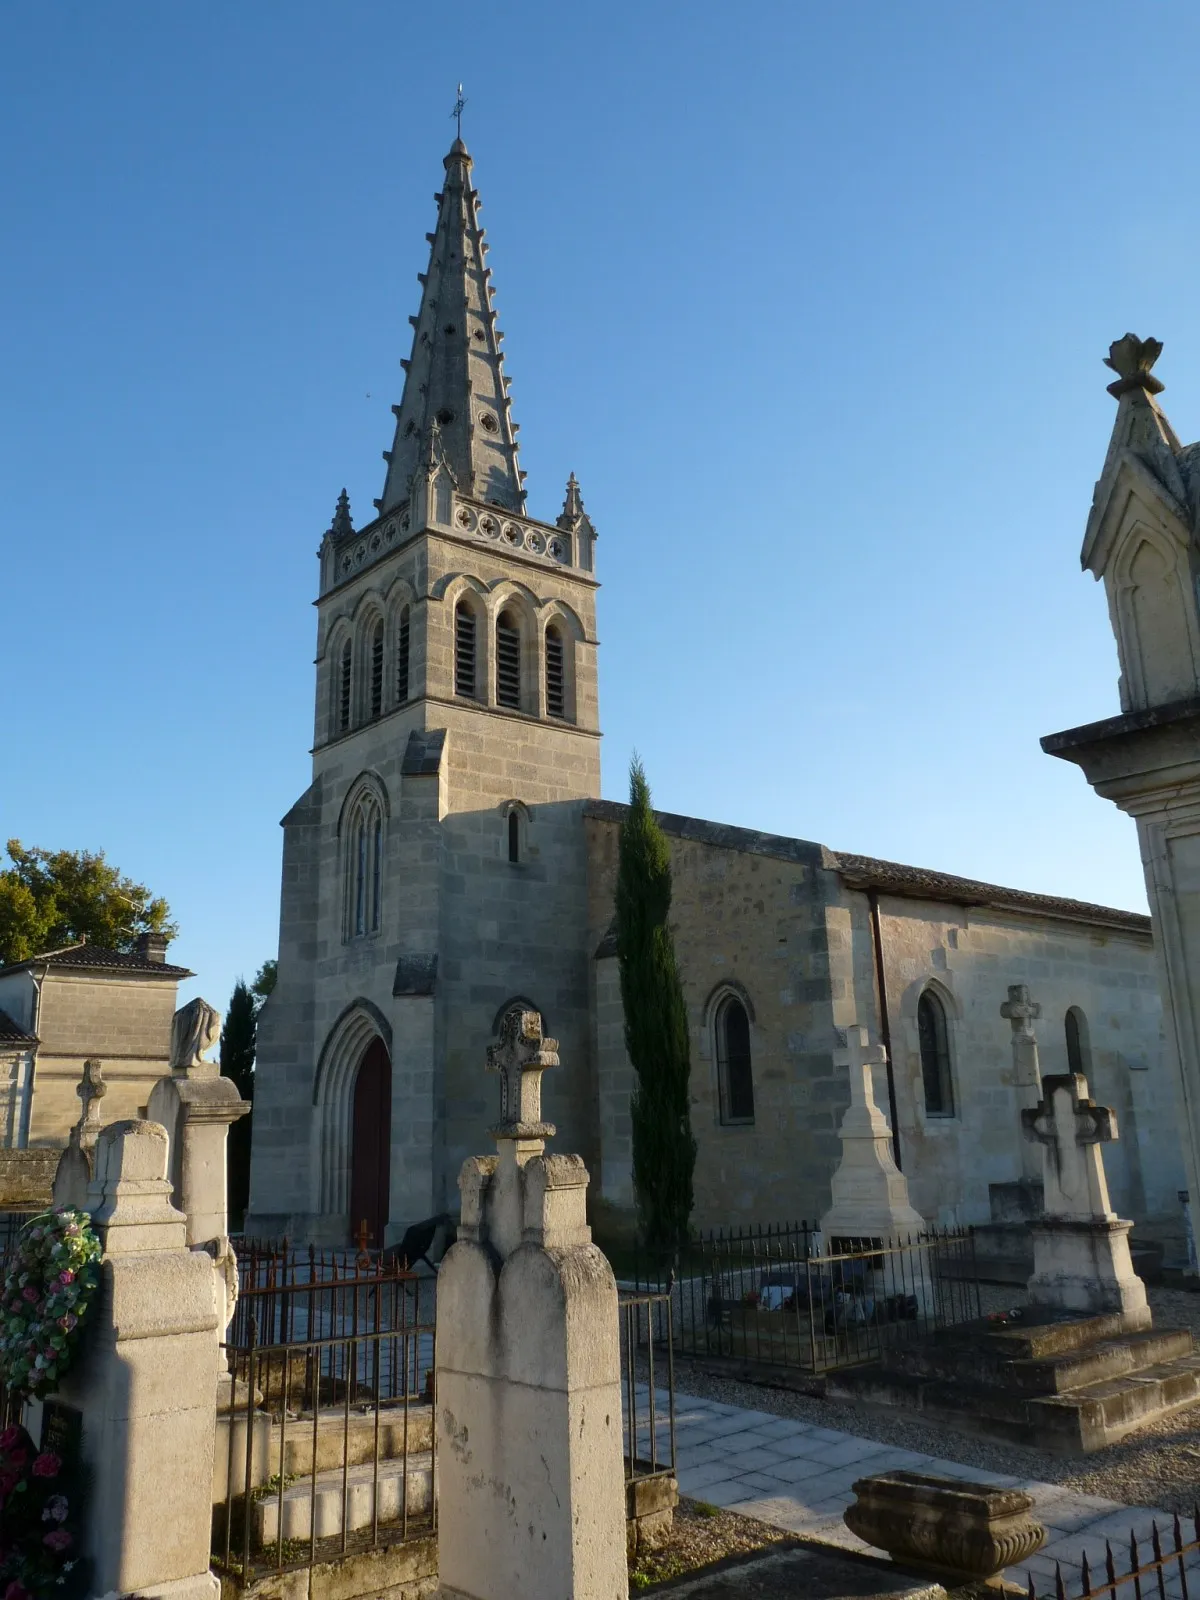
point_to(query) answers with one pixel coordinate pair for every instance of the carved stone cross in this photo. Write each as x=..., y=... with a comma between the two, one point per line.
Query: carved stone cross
x=863, y=1055
x=1022, y=1013
x=91, y=1089
x=521, y=1056
x=1070, y=1127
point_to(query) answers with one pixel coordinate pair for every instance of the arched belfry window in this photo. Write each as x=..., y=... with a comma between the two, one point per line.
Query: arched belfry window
x=735, y=1074
x=402, y=633
x=556, y=678
x=364, y=866
x=377, y=671
x=514, y=836
x=1078, y=1053
x=508, y=661
x=934, y=1039
x=344, y=675
x=464, y=652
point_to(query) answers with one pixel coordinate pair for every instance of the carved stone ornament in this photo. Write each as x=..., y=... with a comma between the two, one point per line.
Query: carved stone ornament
x=964, y=1531
x=1131, y=359
x=195, y=1028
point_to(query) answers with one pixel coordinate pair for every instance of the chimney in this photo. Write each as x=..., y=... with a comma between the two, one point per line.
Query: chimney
x=152, y=946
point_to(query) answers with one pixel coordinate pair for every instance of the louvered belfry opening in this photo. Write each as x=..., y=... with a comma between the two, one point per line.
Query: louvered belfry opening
x=464, y=652
x=402, y=658
x=556, y=694
x=344, y=688
x=377, y=671
x=508, y=662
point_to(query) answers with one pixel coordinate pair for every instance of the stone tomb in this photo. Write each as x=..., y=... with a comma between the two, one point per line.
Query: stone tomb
x=1083, y=1366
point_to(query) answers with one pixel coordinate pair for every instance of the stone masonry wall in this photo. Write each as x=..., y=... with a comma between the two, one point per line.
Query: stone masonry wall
x=753, y=922
x=971, y=955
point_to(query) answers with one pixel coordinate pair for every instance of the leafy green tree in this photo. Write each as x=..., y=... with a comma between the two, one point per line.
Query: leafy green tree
x=264, y=982
x=656, y=1029
x=53, y=898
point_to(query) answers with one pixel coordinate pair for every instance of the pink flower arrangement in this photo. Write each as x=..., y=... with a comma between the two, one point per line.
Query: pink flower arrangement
x=51, y=1283
x=47, y=1465
x=39, y=1542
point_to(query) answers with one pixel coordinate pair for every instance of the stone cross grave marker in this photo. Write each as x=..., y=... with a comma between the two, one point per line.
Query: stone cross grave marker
x=1071, y=1127
x=91, y=1089
x=521, y=1056
x=1022, y=1013
x=868, y=1191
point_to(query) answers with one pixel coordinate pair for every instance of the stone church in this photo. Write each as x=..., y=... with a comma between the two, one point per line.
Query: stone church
x=452, y=858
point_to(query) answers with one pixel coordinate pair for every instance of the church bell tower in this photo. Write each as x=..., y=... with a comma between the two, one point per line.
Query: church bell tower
x=435, y=871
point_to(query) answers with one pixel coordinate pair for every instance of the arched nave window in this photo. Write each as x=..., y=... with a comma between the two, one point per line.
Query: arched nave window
x=364, y=867
x=735, y=1076
x=934, y=1038
x=1078, y=1053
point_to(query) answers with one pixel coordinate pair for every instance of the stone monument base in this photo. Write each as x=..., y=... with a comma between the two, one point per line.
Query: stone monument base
x=1068, y=1385
x=1085, y=1267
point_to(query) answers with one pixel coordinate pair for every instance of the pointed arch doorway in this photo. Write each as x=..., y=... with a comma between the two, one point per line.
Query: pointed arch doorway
x=371, y=1144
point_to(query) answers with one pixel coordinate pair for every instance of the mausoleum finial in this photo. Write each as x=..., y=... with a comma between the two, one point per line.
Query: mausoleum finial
x=1131, y=359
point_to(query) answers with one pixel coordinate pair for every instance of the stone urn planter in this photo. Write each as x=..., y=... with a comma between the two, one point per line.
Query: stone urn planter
x=965, y=1531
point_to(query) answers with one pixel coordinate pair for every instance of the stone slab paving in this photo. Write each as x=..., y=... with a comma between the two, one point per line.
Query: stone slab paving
x=800, y=1477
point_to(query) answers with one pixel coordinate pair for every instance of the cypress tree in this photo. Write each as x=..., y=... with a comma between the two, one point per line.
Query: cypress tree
x=656, y=1029
x=238, y=1042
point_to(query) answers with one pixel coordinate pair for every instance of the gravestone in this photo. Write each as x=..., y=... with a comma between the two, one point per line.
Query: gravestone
x=1022, y=1012
x=1081, y=1260
x=74, y=1171
x=870, y=1193
x=529, y=1435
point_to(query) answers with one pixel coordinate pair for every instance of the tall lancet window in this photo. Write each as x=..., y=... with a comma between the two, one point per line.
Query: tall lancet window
x=377, y=671
x=464, y=651
x=933, y=1037
x=735, y=1074
x=344, y=676
x=364, y=866
x=556, y=683
x=402, y=632
x=508, y=662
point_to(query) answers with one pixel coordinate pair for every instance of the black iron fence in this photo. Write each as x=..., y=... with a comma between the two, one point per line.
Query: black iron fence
x=11, y=1223
x=327, y=1447
x=648, y=1364
x=783, y=1297
x=1160, y=1571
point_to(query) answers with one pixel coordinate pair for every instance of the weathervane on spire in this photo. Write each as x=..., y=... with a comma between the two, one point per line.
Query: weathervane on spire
x=458, y=109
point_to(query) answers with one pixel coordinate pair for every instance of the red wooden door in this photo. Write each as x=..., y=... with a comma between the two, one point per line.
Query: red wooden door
x=370, y=1151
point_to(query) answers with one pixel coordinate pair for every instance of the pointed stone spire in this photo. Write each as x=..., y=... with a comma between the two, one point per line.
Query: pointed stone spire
x=572, y=509
x=342, y=522
x=573, y=519
x=455, y=375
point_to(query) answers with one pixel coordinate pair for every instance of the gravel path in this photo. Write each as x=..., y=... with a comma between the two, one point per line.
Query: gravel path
x=1157, y=1466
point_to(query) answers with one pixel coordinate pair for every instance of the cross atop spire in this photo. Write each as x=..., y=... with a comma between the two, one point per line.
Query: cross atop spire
x=455, y=375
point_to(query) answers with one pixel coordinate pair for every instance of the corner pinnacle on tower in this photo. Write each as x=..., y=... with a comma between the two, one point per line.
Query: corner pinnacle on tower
x=455, y=374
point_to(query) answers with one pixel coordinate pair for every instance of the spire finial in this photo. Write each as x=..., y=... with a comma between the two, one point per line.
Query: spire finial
x=1131, y=359
x=342, y=522
x=459, y=104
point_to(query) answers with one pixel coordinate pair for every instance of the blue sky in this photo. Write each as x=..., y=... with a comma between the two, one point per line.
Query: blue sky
x=812, y=298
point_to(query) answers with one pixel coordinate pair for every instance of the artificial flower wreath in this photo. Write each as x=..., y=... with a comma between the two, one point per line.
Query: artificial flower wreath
x=41, y=1504
x=51, y=1283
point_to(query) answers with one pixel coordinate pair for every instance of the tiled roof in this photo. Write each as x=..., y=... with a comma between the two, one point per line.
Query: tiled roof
x=864, y=872
x=96, y=958
x=11, y=1031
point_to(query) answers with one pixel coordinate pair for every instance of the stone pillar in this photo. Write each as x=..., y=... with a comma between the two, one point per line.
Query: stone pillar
x=531, y=1482
x=1081, y=1260
x=196, y=1106
x=870, y=1193
x=1021, y=1013
x=144, y=1381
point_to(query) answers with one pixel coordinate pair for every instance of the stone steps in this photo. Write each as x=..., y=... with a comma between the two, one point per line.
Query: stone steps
x=991, y=1362
x=351, y=1502
x=1048, y=1387
x=292, y=1448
